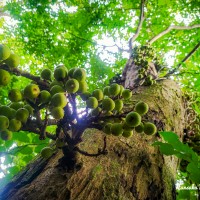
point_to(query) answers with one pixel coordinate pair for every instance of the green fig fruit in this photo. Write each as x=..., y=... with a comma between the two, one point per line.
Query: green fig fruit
x=106, y=91
x=60, y=73
x=108, y=104
x=82, y=87
x=92, y=102
x=15, y=125
x=107, y=128
x=98, y=94
x=141, y=108
x=139, y=128
x=4, y=52
x=44, y=97
x=116, y=129
x=29, y=108
x=127, y=133
x=79, y=74
x=13, y=60
x=4, y=77
x=56, y=89
x=31, y=91
x=57, y=112
x=72, y=86
x=47, y=74
x=6, y=135
x=118, y=105
x=16, y=105
x=22, y=115
x=15, y=95
x=133, y=119
x=126, y=94
x=59, y=100
x=114, y=89
x=4, y=122
x=150, y=128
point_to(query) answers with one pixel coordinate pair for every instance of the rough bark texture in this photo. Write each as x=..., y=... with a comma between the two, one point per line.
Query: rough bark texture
x=132, y=169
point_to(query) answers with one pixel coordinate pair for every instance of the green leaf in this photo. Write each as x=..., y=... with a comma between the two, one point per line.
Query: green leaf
x=167, y=149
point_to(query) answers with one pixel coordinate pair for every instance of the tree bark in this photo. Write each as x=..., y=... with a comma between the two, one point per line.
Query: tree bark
x=133, y=169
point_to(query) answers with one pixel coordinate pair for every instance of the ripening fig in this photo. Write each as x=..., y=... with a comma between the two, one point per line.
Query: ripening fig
x=133, y=119
x=72, y=86
x=127, y=133
x=118, y=105
x=150, y=128
x=92, y=102
x=59, y=100
x=22, y=115
x=6, y=134
x=44, y=96
x=114, y=89
x=13, y=60
x=57, y=112
x=108, y=104
x=56, y=89
x=15, y=125
x=126, y=94
x=116, y=129
x=4, y=122
x=4, y=77
x=98, y=94
x=79, y=74
x=15, y=95
x=46, y=152
x=60, y=73
x=4, y=52
x=47, y=74
x=31, y=91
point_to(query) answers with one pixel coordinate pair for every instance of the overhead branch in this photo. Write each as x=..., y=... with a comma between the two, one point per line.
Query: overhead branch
x=19, y=72
x=173, y=27
x=141, y=19
x=97, y=44
x=182, y=61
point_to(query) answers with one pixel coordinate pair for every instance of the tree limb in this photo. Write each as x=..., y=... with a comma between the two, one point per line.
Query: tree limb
x=141, y=19
x=182, y=61
x=19, y=72
x=172, y=27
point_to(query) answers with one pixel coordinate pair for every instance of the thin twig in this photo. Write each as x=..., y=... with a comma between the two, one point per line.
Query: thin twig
x=172, y=27
x=141, y=19
x=182, y=61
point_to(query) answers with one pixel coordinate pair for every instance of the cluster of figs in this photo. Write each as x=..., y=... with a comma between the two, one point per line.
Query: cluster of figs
x=63, y=84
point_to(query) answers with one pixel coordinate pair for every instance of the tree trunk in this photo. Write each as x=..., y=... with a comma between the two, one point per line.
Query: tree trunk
x=132, y=169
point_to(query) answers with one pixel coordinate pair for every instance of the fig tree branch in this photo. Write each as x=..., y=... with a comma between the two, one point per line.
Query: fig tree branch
x=172, y=27
x=141, y=19
x=182, y=61
x=19, y=72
